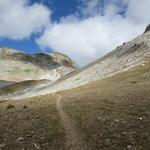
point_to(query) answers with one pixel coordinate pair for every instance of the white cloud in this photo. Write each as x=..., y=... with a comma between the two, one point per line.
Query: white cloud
x=90, y=7
x=91, y=38
x=139, y=11
x=18, y=20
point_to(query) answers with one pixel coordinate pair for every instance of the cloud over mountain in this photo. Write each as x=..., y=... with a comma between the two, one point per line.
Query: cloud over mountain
x=94, y=29
x=103, y=27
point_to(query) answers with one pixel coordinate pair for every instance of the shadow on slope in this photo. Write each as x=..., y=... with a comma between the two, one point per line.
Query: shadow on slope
x=4, y=83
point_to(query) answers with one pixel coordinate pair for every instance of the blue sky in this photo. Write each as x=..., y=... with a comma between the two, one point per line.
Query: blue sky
x=83, y=29
x=60, y=8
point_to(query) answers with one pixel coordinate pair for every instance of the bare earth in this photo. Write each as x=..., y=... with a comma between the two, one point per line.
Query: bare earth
x=73, y=138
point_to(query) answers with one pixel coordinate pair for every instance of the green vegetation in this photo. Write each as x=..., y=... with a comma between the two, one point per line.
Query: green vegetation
x=25, y=107
x=31, y=70
x=134, y=82
x=10, y=106
x=39, y=125
x=78, y=79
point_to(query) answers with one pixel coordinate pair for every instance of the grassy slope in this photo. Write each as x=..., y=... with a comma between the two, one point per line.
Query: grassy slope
x=113, y=113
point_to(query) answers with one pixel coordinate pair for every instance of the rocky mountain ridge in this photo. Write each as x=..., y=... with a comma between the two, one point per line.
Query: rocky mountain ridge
x=129, y=55
x=19, y=66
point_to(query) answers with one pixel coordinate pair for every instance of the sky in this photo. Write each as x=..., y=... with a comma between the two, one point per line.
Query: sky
x=82, y=29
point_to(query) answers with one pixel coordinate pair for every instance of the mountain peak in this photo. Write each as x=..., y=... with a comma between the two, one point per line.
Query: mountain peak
x=147, y=28
x=63, y=59
x=57, y=57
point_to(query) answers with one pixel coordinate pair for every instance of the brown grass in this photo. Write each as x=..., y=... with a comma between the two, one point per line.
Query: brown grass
x=110, y=114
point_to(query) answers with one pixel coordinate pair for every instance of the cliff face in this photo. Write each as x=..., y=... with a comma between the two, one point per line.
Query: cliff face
x=18, y=66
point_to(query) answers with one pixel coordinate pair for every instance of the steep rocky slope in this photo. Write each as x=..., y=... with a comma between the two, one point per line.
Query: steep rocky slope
x=18, y=66
x=128, y=55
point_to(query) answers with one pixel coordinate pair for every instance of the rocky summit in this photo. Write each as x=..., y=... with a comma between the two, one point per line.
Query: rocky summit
x=147, y=28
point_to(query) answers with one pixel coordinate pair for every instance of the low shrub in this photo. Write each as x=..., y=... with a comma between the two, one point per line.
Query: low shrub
x=10, y=106
x=25, y=107
x=134, y=82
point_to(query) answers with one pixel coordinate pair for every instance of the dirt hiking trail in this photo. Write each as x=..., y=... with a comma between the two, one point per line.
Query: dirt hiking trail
x=74, y=141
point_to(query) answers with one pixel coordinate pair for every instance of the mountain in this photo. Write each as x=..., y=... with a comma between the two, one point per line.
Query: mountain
x=16, y=66
x=128, y=55
x=108, y=114
x=103, y=106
